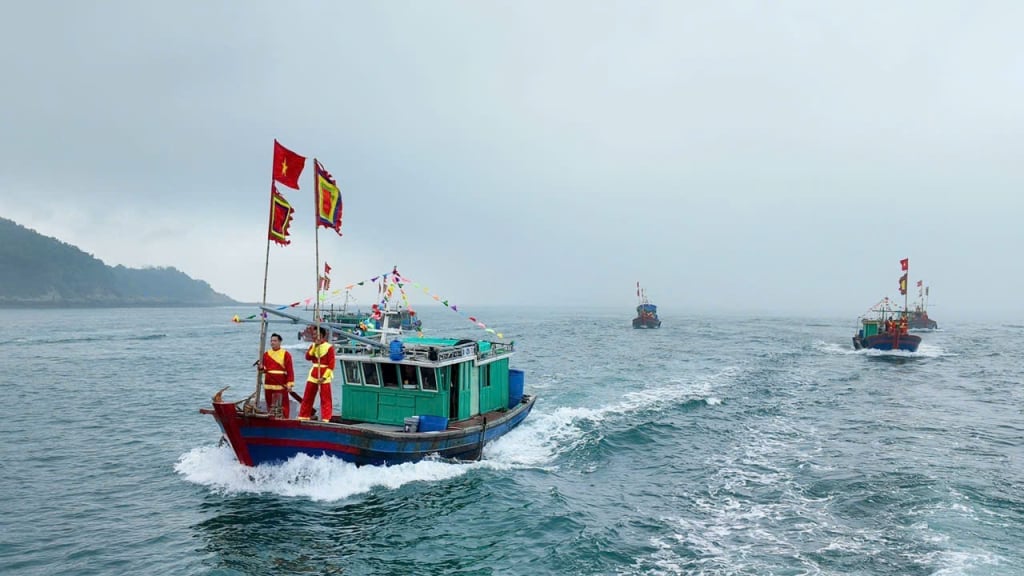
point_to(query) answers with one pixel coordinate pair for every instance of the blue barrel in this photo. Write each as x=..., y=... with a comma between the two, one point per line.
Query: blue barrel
x=397, y=352
x=516, y=379
x=433, y=423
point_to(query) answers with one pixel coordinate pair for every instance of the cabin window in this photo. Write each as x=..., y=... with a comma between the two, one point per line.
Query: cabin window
x=389, y=375
x=442, y=374
x=371, y=375
x=428, y=379
x=353, y=374
x=409, y=378
x=485, y=376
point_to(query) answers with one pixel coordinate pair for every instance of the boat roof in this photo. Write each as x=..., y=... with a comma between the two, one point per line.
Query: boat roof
x=428, y=351
x=485, y=345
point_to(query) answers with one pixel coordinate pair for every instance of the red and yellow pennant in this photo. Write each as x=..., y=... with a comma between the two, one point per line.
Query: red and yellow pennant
x=328, y=200
x=280, y=217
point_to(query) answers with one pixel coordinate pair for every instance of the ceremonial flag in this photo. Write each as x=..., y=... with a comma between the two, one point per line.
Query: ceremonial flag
x=287, y=166
x=280, y=217
x=904, y=264
x=926, y=290
x=638, y=289
x=325, y=280
x=920, y=283
x=903, y=284
x=328, y=200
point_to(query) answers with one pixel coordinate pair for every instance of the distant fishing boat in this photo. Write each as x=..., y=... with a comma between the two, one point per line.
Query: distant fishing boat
x=373, y=322
x=646, y=313
x=885, y=326
x=342, y=317
x=402, y=399
x=919, y=319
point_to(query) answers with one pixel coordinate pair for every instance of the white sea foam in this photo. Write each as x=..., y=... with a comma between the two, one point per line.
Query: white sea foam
x=538, y=440
x=925, y=350
x=956, y=563
x=532, y=444
x=320, y=478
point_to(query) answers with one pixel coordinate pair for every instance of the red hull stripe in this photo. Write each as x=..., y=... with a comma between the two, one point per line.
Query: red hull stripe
x=303, y=444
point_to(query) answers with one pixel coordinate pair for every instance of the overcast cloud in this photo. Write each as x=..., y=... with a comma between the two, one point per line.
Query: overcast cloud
x=731, y=156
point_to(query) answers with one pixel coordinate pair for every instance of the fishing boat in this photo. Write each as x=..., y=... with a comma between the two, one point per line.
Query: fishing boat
x=919, y=319
x=885, y=326
x=646, y=313
x=371, y=323
x=340, y=316
x=402, y=398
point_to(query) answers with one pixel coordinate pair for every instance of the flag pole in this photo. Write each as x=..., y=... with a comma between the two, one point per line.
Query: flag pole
x=316, y=242
x=266, y=270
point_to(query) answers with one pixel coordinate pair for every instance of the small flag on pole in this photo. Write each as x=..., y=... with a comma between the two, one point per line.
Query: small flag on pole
x=905, y=264
x=903, y=285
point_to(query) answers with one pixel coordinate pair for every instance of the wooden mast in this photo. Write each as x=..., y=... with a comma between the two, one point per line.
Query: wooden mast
x=266, y=270
x=316, y=236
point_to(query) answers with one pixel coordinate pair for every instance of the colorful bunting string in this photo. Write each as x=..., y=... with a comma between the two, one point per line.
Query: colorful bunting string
x=386, y=285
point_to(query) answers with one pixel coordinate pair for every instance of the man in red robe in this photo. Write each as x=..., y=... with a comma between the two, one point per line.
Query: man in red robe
x=278, y=377
x=321, y=354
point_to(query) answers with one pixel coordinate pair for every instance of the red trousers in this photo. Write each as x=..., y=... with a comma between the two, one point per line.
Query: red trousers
x=275, y=397
x=326, y=402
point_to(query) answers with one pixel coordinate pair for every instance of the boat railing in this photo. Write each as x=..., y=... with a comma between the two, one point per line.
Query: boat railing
x=428, y=353
x=497, y=349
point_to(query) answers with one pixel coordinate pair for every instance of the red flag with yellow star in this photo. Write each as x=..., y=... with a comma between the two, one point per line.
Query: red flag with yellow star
x=287, y=166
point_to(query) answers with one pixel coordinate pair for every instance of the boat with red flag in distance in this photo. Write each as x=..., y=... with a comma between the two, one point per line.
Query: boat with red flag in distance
x=885, y=326
x=646, y=313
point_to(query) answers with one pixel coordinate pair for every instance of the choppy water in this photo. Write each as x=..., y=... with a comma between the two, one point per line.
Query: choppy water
x=710, y=446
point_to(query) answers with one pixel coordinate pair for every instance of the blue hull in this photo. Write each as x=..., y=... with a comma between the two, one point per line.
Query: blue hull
x=258, y=439
x=906, y=342
x=651, y=323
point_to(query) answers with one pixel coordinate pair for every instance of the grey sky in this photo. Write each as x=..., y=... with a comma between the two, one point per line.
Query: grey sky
x=744, y=156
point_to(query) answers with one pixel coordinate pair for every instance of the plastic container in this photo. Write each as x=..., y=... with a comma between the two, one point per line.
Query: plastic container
x=396, y=351
x=433, y=423
x=412, y=423
x=516, y=380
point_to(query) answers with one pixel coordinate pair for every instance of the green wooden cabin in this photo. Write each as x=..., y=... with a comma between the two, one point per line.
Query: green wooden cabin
x=456, y=379
x=870, y=327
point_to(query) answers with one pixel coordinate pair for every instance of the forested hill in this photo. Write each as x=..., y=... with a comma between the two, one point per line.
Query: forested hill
x=37, y=270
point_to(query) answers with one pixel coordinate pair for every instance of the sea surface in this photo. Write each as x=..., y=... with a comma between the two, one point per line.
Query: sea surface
x=715, y=445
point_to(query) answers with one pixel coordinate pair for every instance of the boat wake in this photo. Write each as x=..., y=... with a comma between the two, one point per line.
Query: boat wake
x=330, y=479
x=923, y=351
x=315, y=478
x=546, y=436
